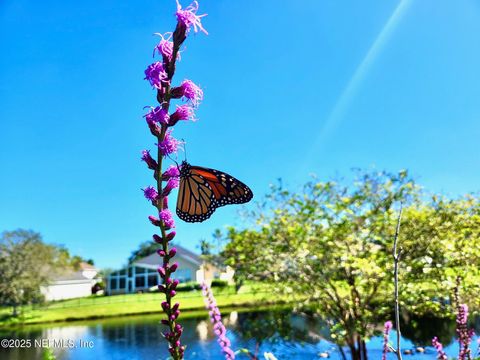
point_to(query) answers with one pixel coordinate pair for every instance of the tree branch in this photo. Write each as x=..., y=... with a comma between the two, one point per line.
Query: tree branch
x=396, y=260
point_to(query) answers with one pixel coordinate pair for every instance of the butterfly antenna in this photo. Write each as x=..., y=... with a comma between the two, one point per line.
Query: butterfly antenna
x=185, y=149
x=175, y=161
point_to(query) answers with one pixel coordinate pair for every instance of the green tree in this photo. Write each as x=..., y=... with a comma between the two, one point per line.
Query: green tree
x=443, y=243
x=330, y=245
x=144, y=249
x=26, y=263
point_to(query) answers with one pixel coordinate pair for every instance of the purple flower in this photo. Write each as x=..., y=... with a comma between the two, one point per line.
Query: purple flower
x=165, y=202
x=183, y=112
x=151, y=163
x=155, y=129
x=156, y=74
x=188, y=90
x=164, y=47
x=166, y=216
x=441, y=355
x=157, y=115
x=171, y=172
x=169, y=145
x=171, y=184
x=150, y=193
x=386, y=333
x=189, y=17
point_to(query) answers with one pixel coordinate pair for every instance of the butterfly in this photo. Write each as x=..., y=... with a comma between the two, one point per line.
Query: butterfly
x=203, y=190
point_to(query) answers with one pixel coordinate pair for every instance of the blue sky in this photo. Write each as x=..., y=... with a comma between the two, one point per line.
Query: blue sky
x=291, y=88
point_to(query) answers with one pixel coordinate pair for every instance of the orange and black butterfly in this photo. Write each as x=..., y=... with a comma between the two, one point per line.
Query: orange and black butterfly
x=203, y=190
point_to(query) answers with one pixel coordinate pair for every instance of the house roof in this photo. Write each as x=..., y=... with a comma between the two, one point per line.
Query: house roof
x=75, y=275
x=154, y=260
x=87, y=266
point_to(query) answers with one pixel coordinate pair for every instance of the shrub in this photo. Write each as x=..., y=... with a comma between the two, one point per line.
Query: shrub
x=219, y=283
x=188, y=286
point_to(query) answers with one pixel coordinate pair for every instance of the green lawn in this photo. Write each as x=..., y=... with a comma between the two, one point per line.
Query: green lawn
x=133, y=304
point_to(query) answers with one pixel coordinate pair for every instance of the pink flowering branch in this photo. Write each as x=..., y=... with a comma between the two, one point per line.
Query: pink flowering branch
x=216, y=319
x=465, y=335
x=386, y=334
x=441, y=355
x=160, y=74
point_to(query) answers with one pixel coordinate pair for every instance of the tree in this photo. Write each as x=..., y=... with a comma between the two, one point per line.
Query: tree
x=26, y=263
x=329, y=248
x=210, y=250
x=144, y=249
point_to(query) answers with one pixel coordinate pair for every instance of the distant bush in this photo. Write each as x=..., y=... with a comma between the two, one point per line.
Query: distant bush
x=98, y=287
x=188, y=286
x=219, y=283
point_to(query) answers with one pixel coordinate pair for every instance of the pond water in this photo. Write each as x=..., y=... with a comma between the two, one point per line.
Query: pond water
x=286, y=335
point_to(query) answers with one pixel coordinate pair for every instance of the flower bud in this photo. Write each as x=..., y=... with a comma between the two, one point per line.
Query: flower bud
x=155, y=221
x=174, y=267
x=174, y=284
x=161, y=271
x=147, y=158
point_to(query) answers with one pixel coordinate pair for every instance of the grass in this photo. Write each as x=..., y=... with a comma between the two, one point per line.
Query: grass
x=134, y=304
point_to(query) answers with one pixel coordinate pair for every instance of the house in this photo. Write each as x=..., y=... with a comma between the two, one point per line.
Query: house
x=142, y=274
x=72, y=285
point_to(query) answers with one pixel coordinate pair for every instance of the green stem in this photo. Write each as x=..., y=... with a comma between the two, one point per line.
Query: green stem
x=163, y=98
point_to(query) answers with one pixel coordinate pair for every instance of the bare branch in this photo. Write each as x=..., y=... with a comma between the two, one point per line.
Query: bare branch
x=396, y=260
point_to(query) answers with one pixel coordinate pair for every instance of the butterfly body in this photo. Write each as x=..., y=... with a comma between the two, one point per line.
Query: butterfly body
x=203, y=190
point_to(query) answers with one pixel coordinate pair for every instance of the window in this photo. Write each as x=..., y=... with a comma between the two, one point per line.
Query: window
x=113, y=284
x=183, y=275
x=130, y=271
x=153, y=280
x=139, y=270
x=122, y=283
x=140, y=282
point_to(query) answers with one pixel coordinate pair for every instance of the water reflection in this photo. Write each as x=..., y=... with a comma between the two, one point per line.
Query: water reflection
x=202, y=330
x=287, y=335
x=422, y=330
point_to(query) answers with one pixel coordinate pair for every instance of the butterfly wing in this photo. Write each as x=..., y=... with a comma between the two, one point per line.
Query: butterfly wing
x=202, y=190
x=194, y=202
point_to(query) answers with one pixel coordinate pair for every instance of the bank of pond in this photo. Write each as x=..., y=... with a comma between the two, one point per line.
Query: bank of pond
x=285, y=334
